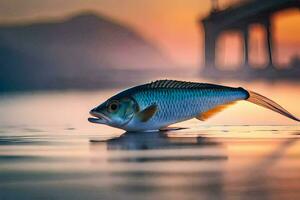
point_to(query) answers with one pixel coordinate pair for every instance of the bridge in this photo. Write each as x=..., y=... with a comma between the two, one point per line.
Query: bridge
x=239, y=18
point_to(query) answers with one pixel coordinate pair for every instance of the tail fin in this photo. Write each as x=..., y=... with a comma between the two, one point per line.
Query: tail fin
x=268, y=103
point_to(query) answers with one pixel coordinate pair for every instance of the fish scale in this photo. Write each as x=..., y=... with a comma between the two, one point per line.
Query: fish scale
x=181, y=104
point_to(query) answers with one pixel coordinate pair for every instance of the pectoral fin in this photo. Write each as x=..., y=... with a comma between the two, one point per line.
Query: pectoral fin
x=147, y=113
x=208, y=114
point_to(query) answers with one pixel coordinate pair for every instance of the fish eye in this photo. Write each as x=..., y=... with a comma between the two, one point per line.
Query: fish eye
x=113, y=106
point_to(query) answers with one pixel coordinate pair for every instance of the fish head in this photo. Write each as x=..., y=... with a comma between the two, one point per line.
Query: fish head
x=115, y=112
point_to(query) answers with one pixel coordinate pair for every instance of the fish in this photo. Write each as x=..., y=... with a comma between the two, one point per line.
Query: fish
x=157, y=105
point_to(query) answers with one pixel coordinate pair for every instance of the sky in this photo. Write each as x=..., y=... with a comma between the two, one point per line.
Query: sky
x=171, y=24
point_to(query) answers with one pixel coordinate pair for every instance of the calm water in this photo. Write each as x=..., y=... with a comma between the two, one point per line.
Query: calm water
x=48, y=150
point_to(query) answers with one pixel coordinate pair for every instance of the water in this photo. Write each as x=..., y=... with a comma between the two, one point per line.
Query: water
x=48, y=150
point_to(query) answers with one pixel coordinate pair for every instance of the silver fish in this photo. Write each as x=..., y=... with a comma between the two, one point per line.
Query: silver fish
x=158, y=104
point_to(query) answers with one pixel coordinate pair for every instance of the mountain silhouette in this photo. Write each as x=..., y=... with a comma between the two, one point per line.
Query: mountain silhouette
x=85, y=50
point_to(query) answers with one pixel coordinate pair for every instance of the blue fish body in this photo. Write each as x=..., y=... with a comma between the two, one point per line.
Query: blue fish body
x=156, y=105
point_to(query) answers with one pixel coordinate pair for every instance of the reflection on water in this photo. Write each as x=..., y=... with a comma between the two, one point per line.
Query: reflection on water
x=160, y=141
x=208, y=162
x=48, y=150
x=155, y=140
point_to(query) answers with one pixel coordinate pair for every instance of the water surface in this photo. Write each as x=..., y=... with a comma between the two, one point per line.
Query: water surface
x=48, y=150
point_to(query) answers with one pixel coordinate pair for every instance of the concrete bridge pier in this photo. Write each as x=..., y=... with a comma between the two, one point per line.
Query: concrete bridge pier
x=245, y=32
x=270, y=43
x=210, y=47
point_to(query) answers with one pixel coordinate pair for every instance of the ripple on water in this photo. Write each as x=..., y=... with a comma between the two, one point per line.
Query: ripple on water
x=204, y=162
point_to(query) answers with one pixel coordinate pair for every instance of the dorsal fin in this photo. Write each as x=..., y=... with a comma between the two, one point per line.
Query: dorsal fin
x=208, y=114
x=182, y=84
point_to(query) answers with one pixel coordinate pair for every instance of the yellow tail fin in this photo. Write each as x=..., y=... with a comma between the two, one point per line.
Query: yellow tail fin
x=268, y=103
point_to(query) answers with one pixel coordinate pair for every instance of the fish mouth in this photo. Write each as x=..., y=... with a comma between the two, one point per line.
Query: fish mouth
x=98, y=118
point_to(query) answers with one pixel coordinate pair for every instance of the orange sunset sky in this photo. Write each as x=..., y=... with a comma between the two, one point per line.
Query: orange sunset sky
x=170, y=24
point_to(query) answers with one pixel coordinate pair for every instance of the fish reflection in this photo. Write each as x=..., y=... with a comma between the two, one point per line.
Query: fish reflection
x=156, y=140
x=167, y=165
x=161, y=142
